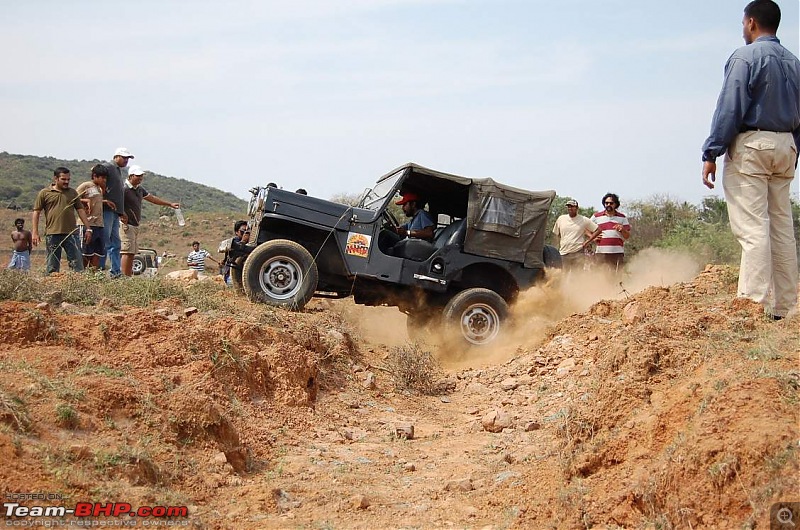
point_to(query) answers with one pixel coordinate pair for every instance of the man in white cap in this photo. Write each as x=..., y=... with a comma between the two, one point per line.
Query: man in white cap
x=129, y=229
x=113, y=208
x=572, y=230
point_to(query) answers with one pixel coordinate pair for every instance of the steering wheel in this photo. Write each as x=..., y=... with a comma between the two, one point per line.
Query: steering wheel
x=390, y=219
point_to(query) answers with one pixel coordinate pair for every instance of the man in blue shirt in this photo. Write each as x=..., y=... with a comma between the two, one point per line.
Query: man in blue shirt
x=756, y=125
x=421, y=225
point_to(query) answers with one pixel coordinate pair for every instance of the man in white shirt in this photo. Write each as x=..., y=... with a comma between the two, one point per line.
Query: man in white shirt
x=572, y=230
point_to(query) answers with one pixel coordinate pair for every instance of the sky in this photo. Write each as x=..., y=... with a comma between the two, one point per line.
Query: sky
x=579, y=96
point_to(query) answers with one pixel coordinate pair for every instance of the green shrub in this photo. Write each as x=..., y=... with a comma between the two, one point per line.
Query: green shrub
x=66, y=416
x=712, y=242
x=16, y=285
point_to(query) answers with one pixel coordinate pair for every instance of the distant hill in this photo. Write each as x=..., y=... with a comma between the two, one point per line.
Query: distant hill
x=22, y=176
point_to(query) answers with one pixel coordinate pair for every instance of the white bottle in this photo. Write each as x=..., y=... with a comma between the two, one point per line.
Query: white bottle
x=179, y=217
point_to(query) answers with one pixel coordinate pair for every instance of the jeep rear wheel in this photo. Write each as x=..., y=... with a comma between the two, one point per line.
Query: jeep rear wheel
x=551, y=257
x=421, y=326
x=476, y=316
x=281, y=273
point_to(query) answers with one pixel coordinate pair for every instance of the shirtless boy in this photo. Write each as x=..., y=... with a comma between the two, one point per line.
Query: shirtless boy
x=21, y=257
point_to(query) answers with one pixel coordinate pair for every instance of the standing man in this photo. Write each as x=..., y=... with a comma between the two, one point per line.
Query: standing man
x=613, y=229
x=241, y=237
x=114, y=208
x=757, y=126
x=91, y=194
x=129, y=229
x=21, y=238
x=196, y=260
x=572, y=230
x=60, y=203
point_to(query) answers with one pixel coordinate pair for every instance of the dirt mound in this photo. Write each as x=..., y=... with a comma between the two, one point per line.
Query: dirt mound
x=149, y=398
x=685, y=414
x=675, y=407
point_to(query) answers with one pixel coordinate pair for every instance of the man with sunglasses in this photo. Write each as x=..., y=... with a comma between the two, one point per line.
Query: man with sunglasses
x=241, y=236
x=613, y=229
x=756, y=126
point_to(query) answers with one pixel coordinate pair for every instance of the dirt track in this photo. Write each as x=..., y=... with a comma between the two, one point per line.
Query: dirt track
x=672, y=408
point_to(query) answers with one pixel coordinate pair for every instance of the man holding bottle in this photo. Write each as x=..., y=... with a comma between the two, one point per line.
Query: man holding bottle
x=130, y=220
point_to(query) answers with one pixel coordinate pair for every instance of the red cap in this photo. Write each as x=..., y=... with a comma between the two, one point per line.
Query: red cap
x=408, y=196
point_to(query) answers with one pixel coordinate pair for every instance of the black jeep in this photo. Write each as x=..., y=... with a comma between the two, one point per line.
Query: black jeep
x=488, y=245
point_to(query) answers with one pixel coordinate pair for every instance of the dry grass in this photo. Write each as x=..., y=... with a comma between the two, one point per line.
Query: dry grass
x=14, y=413
x=88, y=288
x=413, y=368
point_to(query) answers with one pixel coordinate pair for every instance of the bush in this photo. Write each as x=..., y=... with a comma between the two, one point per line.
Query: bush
x=414, y=369
x=16, y=285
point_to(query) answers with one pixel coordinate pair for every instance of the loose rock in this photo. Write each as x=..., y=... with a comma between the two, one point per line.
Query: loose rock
x=360, y=502
x=464, y=484
x=404, y=431
x=496, y=421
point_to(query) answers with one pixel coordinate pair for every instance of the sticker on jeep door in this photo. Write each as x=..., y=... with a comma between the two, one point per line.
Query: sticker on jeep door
x=358, y=245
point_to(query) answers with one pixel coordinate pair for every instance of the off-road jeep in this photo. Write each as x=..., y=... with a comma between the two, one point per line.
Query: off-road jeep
x=145, y=263
x=488, y=245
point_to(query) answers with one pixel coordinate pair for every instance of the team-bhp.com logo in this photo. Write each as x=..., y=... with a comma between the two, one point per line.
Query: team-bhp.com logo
x=93, y=509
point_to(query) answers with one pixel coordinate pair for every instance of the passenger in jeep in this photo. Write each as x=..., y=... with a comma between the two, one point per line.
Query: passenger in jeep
x=421, y=225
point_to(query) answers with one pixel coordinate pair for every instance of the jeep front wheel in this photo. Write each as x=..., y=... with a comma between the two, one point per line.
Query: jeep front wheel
x=281, y=273
x=476, y=315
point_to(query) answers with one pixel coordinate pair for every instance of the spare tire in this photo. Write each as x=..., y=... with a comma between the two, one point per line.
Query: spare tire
x=281, y=273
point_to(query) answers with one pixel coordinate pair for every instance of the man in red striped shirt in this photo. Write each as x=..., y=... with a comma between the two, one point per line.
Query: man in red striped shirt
x=613, y=229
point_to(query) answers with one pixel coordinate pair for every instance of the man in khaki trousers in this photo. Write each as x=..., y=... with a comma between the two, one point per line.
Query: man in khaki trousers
x=757, y=126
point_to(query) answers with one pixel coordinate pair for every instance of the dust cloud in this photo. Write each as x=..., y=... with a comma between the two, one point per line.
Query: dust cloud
x=536, y=309
x=564, y=294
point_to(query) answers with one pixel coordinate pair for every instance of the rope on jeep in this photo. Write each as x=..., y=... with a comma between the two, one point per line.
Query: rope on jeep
x=330, y=232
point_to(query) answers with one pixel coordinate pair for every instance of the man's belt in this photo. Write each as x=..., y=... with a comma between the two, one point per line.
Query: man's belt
x=748, y=128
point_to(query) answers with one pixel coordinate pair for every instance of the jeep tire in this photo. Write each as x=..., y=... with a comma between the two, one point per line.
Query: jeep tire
x=281, y=273
x=236, y=277
x=475, y=316
x=551, y=257
x=138, y=266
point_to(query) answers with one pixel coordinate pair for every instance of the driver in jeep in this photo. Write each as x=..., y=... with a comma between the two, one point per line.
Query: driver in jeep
x=421, y=225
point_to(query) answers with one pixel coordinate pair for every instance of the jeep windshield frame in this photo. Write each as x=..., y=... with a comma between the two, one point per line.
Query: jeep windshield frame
x=375, y=199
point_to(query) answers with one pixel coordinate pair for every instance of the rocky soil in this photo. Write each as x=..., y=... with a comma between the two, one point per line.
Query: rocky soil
x=675, y=407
